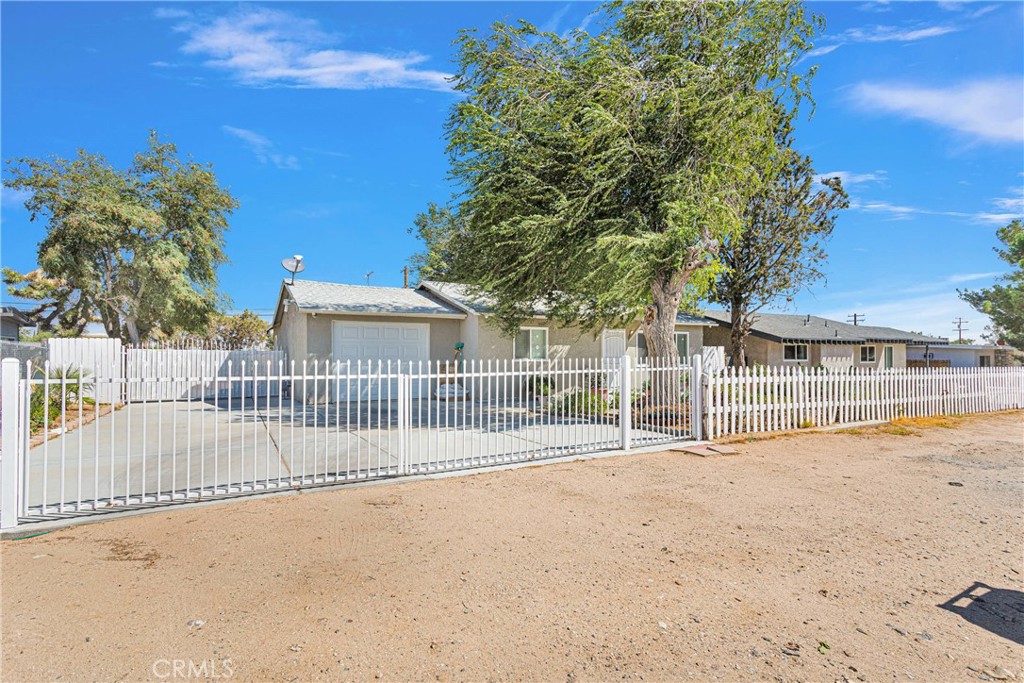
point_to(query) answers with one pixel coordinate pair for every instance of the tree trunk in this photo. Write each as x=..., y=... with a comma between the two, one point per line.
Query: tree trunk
x=659, y=323
x=738, y=332
x=659, y=326
x=133, y=329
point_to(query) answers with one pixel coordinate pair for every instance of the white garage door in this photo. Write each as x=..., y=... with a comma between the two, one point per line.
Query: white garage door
x=372, y=342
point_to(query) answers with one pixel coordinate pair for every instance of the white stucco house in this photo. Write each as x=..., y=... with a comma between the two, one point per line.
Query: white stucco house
x=955, y=355
x=326, y=320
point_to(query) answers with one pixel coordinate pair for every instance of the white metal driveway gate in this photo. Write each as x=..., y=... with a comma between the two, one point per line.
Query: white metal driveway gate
x=262, y=426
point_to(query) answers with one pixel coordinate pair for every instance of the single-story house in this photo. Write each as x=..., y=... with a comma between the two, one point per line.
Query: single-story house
x=11, y=322
x=782, y=340
x=956, y=355
x=326, y=320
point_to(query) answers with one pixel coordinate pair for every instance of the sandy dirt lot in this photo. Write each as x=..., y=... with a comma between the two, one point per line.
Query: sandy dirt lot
x=818, y=557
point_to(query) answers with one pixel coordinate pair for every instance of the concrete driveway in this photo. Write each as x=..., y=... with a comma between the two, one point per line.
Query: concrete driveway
x=157, y=452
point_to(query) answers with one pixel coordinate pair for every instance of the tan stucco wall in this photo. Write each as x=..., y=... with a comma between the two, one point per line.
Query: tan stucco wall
x=291, y=334
x=563, y=342
x=899, y=356
x=764, y=352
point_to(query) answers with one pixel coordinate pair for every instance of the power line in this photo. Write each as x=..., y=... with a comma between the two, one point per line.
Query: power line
x=856, y=318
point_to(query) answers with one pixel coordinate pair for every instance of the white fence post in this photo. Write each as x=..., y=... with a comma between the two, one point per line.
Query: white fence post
x=696, y=398
x=403, y=410
x=625, y=403
x=11, y=445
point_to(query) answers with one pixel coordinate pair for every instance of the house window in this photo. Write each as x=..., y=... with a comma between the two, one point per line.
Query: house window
x=888, y=357
x=531, y=344
x=985, y=361
x=867, y=354
x=794, y=352
x=682, y=345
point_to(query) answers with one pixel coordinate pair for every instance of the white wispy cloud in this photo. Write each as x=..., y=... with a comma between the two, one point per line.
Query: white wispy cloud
x=1007, y=209
x=971, y=277
x=327, y=152
x=1012, y=203
x=823, y=50
x=171, y=13
x=11, y=198
x=551, y=25
x=850, y=178
x=890, y=34
x=878, y=34
x=878, y=6
x=269, y=47
x=263, y=148
x=990, y=109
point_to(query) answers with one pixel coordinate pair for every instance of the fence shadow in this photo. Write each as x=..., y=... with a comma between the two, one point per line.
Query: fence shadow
x=997, y=610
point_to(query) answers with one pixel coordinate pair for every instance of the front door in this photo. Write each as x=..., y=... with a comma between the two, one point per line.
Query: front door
x=613, y=344
x=613, y=348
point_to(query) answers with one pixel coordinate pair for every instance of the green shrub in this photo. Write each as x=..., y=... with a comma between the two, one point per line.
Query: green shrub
x=538, y=385
x=38, y=401
x=579, y=402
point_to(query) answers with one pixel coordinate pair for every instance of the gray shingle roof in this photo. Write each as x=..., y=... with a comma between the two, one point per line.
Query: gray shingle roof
x=330, y=297
x=460, y=294
x=781, y=327
x=463, y=296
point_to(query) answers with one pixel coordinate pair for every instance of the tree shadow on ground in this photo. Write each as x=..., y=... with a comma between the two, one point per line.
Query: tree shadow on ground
x=998, y=610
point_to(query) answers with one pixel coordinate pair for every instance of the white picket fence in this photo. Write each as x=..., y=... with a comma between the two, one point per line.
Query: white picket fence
x=768, y=399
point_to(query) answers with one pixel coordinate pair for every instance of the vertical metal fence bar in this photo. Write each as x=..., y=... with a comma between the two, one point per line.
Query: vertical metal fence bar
x=80, y=400
x=63, y=432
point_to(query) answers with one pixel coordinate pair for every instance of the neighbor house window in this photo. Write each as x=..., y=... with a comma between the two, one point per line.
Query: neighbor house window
x=794, y=352
x=867, y=354
x=531, y=343
x=985, y=361
x=888, y=357
x=682, y=345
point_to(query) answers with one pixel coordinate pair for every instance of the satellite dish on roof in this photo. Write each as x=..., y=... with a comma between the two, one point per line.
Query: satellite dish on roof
x=293, y=264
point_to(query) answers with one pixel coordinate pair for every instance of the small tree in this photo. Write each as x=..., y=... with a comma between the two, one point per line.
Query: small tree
x=781, y=248
x=1004, y=303
x=240, y=331
x=600, y=174
x=136, y=249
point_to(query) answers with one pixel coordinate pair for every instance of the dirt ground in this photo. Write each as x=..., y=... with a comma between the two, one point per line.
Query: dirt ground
x=817, y=557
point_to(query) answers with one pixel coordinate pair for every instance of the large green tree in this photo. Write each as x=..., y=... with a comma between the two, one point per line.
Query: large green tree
x=136, y=249
x=1004, y=302
x=781, y=248
x=599, y=174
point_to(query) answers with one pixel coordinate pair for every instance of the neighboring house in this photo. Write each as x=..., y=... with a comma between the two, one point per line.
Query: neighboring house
x=11, y=322
x=955, y=355
x=805, y=340
x=323, y=320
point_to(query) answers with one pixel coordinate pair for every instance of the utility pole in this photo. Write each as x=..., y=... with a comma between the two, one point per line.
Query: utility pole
x=960, y=327
x=405, y=272
x=856, y=318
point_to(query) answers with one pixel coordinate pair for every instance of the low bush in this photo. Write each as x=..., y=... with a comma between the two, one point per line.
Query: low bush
x=578, y=402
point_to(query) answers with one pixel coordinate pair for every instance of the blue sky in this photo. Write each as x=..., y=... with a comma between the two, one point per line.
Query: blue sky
x=325, y=120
